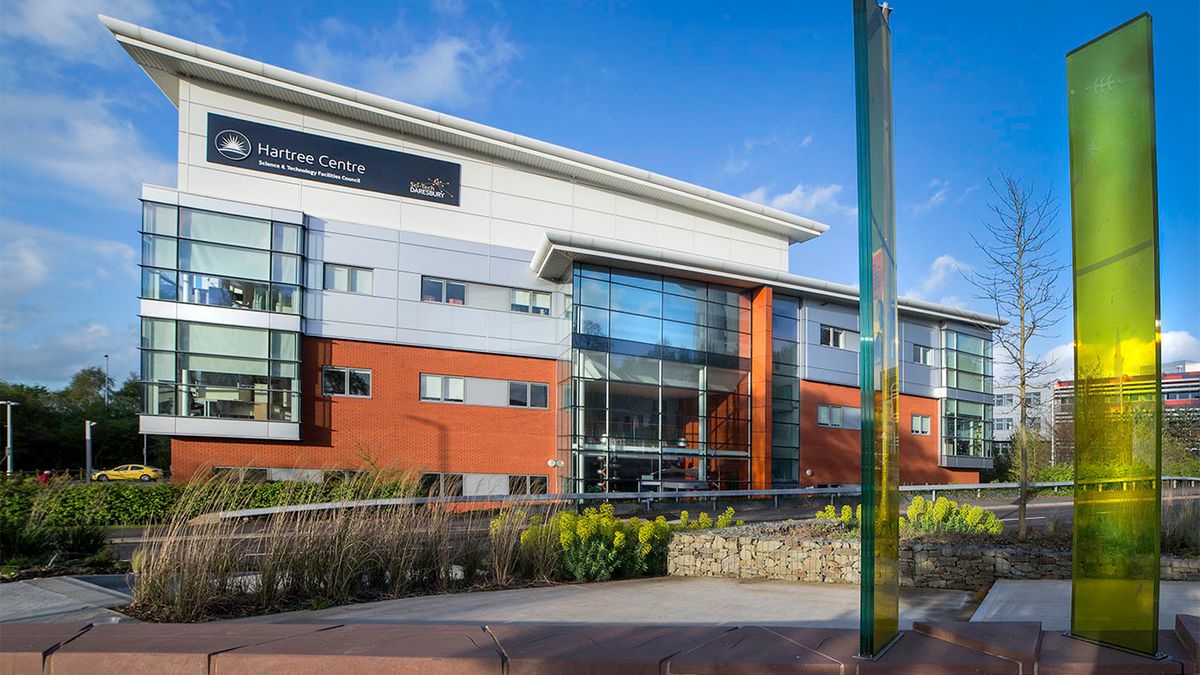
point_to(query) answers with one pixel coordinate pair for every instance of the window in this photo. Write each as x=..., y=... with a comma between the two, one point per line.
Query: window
x=1005, y=400
x=1033, y=398
x=833, y=337
x=920, y=425
x=829, y=416
x=527, y=485
x=531, y=302
x=442, y=484
x=442, y=388
x=1003, y=424
x=528, y=395
x=337, y=381
x=441, y=290
x=922, y=355
x=347, y=279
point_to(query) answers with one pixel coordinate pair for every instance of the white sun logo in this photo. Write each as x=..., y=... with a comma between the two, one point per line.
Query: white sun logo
x=232, y=145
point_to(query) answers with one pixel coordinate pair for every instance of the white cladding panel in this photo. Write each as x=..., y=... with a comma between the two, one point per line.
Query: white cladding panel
x=501, y=204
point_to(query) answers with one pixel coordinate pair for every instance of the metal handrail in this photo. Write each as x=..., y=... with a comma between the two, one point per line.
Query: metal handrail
x=700, y=495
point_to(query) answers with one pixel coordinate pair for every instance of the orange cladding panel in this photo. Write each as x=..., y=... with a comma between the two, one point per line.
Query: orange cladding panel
x=760, y=388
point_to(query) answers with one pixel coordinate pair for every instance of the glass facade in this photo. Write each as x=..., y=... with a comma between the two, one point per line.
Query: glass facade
x=659, y=395
x=215, y=259
x=193, y=369
x=785, y=391
x=967, y=425
x=206, y=370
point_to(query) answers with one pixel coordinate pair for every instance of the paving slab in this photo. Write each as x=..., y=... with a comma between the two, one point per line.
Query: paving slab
x=596, y=650
x=1049, y=601
x=1014, y=640
x=144, y=648
x=25, y=646
x=919, y=654
x=1187, y=627
x=661, y=601
x=417, y=650
x=751, y=650
x=1066, y=655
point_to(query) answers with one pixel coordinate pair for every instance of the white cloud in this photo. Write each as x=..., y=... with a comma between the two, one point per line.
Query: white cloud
x=33, y=257
x=450, y=70
x=1180, y=345
x=734, y=166
x=779, y=141
x=84, y=145
x=1177, y=345
x=69, y=28
x=941, y=190
x=944, y=268
x=805, y=200
x=52, y=360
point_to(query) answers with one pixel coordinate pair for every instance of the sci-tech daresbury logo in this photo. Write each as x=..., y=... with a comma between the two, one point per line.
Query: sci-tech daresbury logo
x=232, y=145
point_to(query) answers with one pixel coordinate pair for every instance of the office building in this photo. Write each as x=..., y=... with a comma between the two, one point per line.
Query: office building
x=340, y=280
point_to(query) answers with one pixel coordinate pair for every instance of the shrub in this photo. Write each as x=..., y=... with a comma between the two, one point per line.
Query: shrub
x=540, y=549
x=597, y=546
x=923, y=516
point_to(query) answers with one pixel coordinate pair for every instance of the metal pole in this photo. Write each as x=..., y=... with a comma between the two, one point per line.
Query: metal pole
x=87, y=438
x=144, y=460
x=8, y=448
x=106, y=390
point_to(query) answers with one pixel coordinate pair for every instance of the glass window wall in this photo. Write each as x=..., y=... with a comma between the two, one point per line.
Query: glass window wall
x=215, y=259
x=207, y=370
x=660, y=388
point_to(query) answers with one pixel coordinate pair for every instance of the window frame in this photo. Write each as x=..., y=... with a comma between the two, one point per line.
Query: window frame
x=836, y=334
x=528, y=387
x=345, y=371
x=350, y=272
x=923, y=429
x=829, y=416
x=442, y=388
x=922, y=355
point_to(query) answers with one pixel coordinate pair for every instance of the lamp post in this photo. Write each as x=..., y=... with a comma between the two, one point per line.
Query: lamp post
x=8, y=449
x=87, y=438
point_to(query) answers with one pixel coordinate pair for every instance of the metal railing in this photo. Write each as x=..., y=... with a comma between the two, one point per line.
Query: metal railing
x=648, y=497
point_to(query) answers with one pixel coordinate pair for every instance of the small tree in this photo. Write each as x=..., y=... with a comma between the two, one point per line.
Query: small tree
x=1020, y=279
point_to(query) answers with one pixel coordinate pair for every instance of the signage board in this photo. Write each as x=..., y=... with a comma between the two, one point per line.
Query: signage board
x=286, y=152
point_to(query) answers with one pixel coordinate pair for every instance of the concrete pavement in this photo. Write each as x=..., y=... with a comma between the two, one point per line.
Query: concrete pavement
x=663, y=600
x=60, y=600
x=1049, y=601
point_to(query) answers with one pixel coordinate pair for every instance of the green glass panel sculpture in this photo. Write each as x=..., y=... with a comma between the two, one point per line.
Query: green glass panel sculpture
x=878, y=348
x=1118, y=412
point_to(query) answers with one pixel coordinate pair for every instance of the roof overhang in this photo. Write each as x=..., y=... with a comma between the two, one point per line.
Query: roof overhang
x=167, y=59
x=557, y=253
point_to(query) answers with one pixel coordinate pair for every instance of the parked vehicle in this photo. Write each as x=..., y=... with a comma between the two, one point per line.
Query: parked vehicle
x=129, y=472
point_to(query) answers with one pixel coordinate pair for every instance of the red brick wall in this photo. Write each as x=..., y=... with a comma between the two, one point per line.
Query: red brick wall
x=394, y=428
x=833, y=454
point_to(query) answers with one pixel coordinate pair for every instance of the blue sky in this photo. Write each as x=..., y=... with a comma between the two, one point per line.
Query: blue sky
x=755, y=100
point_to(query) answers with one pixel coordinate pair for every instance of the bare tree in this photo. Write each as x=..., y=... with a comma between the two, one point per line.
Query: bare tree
x=1020, y=278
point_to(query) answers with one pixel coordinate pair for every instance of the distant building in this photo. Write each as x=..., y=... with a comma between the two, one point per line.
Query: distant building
x=1006, y=414
x=1181, y=409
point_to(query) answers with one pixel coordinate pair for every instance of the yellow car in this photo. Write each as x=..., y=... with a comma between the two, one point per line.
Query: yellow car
x=129, y=472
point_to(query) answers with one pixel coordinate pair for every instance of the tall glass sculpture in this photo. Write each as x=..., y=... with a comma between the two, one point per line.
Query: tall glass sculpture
x=878, y=371
x=1118, y=412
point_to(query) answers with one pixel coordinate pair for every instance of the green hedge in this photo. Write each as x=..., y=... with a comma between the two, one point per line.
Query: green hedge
x=142, y=504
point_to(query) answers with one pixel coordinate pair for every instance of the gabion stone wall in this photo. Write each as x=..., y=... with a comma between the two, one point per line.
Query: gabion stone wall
x=771, y=551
